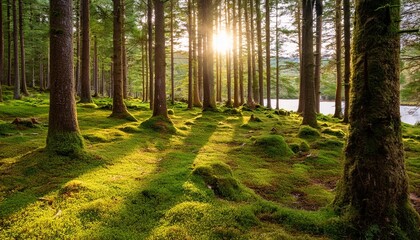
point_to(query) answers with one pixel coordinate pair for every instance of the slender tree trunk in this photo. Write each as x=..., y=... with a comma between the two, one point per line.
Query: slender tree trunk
x=302, y=88
x=172, y=54
x=124, y=52
x=309, y=114
x=1, y=51
x=241, y=63
x=146, y=48
x=102, y=88
x=318, y=54
x=196, y=88
x=23, y=86
x=143, y=69
x=95, y=68
x=346, y=5
x=160, y=108
x=249, y=42
x=77, y=60
x=337, y=113
x=228, y=57
x=200, y=52
x=41, y=74
x=85, y=74
x=255, y=91
x=190, y=55
x=277, y=57
x=267, y=51
x=235, y=57
x=260, y=53
x=373, y=192
x=150, y=38
x=63, y=137
x=9, y=45
x=119, y=109
x=16, y=92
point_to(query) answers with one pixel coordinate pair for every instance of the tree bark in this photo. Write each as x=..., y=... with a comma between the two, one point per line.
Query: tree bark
x=267, y=52
x=260, y=53
x=373, y=192
x=150, y=45
x=309, y=114
x=85, y=60
x=1, y=52
x=23, y=86
x=277, y=57
x=235, y=57
x=318, y=55
x=240, y=52
x=9, y=45
x=160, y=108
x=124, y=52
x=255, y=91
x=16, y=92
x=337, y=113
x=95, y=68
x=77, y=60
x=301, y=106
x=63, y=137
x=228, y=57
x=172, y=54
x=190, y=55
x=196, y=87
x=250, y=99
x=346, y=5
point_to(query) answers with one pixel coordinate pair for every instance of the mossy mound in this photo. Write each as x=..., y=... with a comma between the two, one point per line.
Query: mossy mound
x=171, y=112
x=282, y=112
x=65, y=143
x=308, y=132
x=274, y=146
x=233, y=111
x=72, y=188
x=130, y=129
x=159, y=124
x=171, y=232
x=218, y=177
x=96, y=138
x=334, y=132
x=328, y=144
x=87, y=105
x=254, y=118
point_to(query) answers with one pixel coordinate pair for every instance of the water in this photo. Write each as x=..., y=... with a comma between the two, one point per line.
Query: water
x=409, y=114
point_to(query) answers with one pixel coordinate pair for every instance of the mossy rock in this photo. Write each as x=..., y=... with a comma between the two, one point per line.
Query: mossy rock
x=159, y=124
x=274, y=146
x=171, y=112
x=72, y=188
x=294, y=147
x=338, y=133
x=218, y=177
x=304, y=146
x=189, y=123
x=308, y=132
x=107, y=106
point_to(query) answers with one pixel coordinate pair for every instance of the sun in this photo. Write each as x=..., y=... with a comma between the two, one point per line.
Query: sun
x=222, y=42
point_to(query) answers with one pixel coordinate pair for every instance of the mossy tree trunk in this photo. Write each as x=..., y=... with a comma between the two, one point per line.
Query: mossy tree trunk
x=373, y=193
x=63, y=131
x=119, y=109
x=309, y=114
x=160, y=108
x=318, y=55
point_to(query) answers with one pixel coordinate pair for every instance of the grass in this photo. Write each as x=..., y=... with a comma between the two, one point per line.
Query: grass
x=218, y=175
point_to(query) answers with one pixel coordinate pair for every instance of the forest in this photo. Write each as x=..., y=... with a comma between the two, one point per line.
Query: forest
x=209, y=119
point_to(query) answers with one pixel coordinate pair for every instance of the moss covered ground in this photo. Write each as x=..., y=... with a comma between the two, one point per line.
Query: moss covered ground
x=218, y=175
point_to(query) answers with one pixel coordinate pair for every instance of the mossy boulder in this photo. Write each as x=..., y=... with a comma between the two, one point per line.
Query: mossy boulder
x=274, y=146
x=218, y=176
x=159, y=124
x=171, y=112
x=308, y=132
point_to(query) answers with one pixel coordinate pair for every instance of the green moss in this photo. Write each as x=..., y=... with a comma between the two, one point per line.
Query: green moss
x=304, y=146
x=87, y=105
x=334, y=132
x=282, y=112
x=308, y=132
x=171, y=112
x=95, y=138
x=130, y=129
x=159, y=124
x=233, y=111
x=65, y=143
x=274, y=146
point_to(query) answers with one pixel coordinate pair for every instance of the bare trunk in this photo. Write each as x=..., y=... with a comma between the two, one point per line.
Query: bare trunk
x=85, y=60
x=347, y=53
x=318, y=55
x=235, y=57
x=267, y=51
x=23, y=86
x=172, y=54
x=16, y=92
x=255, y=91
x=250, y=99
x=150, y=45
x=95, y=68
x=260, y=53
x=338, y=91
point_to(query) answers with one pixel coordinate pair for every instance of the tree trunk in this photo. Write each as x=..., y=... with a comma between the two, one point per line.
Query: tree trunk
x=235, y=57
x=255, y=91
x=9, y=46
x=95, y=68
x=119, y=109
x=346, y=5
x=277, y=57
x=77, y=60
x=240, y=52
x=209, y=100
x=63, y=137
x=228, y=57
x=373, y=192
x=124, y=68
x=337, y=113
x=267, y=51
x=16, y=92
x=260, y=53
x=172, y=54
x=41, y=74
x=85, y=74
x=23, y=86
x=318, y=55
x=1, y=51
x=190, y=56
x=196, y=88
x=301, y=106
x=250, y=99
x=150, y=38
x=309, y=114
x=159, y=108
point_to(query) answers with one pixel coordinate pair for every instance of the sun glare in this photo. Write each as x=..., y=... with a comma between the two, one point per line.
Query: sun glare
x=222, y=42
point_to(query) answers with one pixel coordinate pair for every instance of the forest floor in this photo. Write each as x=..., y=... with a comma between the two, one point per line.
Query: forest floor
x=220, y=176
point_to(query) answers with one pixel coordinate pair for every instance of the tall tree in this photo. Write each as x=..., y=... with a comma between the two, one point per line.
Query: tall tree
x=318, y=56
x=95, y=67
x=77, y=60
x=190, y=53
x=1, y=51
x=298, y=18
x=240, y=52
x=63, y=131
x=150, y=50
x=337, y=112
x=235, y=56
x=277, y=56
x=260, y=53
x=267, y=51
x=346, y=9
x=85, y=60
x=309, y=114
x=373, y=192
x=228, y=57
x=119, y=110
x=160, y=108
x=206, y=9
x=23, y=86
x=250, y=99
x=172, y=53
x=16, y=92
x=196, y=81
x=9, y=45
x=255, y=91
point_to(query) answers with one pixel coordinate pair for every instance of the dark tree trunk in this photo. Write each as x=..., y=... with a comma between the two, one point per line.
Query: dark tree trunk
x=119, y=109
x=41, y=74
x=16, y=92
x=146, y=48
x=9, y=45
x=346, y=5
x=373, y=192
x=1, y=51
x=85, y=74
x=124, y=52
x=23, y=86
x=95, y=68
x=143, y=69
x=160, y=108
x=150, y=45
x=309, y=114
x=63, y=137
x=337, y=113
x=260, y=53
x=235, y=57
x=102, y=88
x=250, y=99
x=172, y=54
x=77, y=60
x=267, y=51
x=277, y=57
x=240, y=52
x=255, y=91
x=228, y=58
x=196, y=87
x=190, y=55
x=301, y=106
x=318, y=55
